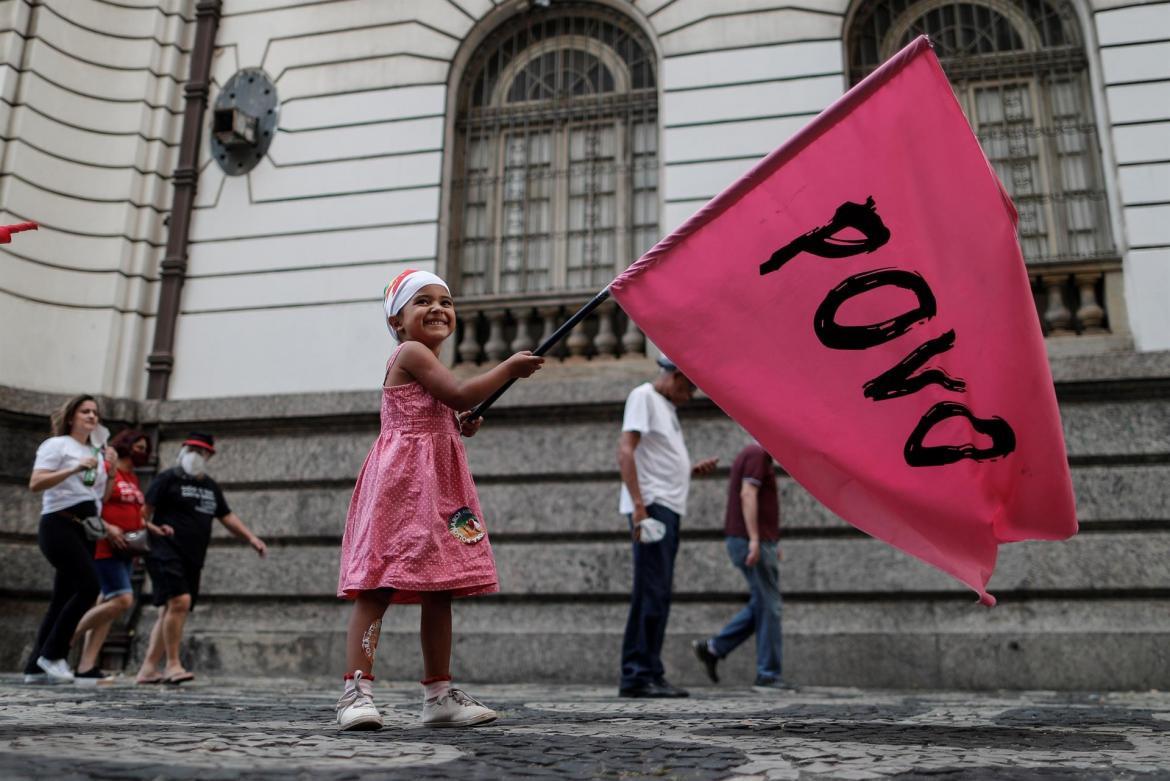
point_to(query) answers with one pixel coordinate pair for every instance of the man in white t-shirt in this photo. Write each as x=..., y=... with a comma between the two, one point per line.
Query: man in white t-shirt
x=656, y=477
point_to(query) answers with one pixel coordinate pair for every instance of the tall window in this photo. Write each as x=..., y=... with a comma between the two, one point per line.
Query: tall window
x=556, y=159
x=1018, y=68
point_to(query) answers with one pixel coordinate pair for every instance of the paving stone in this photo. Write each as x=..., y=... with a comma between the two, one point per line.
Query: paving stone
x=272, y=730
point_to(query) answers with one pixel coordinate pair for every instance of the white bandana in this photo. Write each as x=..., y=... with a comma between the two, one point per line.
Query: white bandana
x=403, y=288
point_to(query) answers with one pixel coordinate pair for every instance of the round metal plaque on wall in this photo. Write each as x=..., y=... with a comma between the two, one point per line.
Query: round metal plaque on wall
x=243, y=121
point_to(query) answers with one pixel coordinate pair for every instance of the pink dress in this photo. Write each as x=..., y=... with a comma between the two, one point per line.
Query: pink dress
x=414, y=521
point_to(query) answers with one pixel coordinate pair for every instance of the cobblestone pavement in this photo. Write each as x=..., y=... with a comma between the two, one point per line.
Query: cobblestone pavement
x=283, y=729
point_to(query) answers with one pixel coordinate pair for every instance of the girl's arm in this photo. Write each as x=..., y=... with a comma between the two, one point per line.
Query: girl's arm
x=43, y=479
x=110, y=475
x=165, y=530
x=421, y=364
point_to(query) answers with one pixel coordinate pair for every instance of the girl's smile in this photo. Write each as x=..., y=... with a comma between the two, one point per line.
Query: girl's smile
x=429, y=316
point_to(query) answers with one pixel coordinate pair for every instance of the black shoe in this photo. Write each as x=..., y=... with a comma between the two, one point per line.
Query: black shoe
x=92, y=677
x=708, y=659
x=664, y=689
x=659, y=690
x=773, y=684
x=638, y=690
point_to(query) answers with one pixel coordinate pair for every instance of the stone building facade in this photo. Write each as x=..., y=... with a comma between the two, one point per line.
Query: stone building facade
x=204, y=268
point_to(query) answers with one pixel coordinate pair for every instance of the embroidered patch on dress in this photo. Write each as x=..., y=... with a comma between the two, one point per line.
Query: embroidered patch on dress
x=465, y=527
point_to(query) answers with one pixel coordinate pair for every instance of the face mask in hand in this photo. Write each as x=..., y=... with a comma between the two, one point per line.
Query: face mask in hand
x=192, y=463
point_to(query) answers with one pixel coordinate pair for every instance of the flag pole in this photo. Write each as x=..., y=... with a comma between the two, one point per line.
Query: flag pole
x=544, y=347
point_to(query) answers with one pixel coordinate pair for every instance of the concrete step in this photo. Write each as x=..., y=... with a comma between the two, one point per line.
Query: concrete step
x=1121, y=644
x=1091, y=562
x=548, y=445
x=544, y=506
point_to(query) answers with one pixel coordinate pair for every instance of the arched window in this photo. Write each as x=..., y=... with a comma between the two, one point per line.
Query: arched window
x=554, y=183
x=1019, y=70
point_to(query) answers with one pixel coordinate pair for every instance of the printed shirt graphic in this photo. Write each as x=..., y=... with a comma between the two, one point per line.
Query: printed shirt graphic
x=858, y=302
x=189, y=505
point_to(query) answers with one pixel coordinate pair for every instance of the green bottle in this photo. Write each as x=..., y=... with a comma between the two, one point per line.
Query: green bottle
x=89, y=476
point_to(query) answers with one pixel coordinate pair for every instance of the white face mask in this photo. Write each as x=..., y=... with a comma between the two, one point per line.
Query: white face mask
x=192, y=463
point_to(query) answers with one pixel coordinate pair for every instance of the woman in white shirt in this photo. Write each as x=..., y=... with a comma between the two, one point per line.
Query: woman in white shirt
x=74, y=476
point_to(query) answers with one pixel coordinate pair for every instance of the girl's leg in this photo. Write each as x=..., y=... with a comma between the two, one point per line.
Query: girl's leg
x=443, y=705
x=76, y=574
x=97, y=623
x=56, y=604
x=435, y=633
x=365, y=626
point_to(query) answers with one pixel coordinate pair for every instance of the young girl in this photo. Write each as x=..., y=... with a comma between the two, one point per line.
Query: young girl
x=414, y=532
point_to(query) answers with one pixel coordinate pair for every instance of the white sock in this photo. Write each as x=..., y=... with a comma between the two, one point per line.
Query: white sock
x=436, y=689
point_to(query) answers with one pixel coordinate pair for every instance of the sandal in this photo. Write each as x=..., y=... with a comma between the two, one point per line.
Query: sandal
x=147, y=681
x=178, y=678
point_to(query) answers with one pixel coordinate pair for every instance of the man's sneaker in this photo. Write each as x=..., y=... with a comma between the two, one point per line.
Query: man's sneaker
x=456, y=709
x=92, y=677
x=356, y=709
x=57, y=669
x=709, y=660
x=772, y=684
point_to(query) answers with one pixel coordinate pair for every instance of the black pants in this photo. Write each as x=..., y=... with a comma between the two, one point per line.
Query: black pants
x=650, y=603
x=75, y=586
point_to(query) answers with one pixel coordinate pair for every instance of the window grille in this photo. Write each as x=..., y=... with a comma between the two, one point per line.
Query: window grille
x=555, y=167
x=1018, y=68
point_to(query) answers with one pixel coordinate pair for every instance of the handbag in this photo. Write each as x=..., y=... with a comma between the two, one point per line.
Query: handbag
x=92, y=525
x=137, y=544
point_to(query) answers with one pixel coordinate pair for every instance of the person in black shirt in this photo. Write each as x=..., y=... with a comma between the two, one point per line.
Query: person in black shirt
x=182, y=500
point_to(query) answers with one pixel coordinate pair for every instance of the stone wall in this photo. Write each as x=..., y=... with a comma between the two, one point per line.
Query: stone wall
x=1087, y=613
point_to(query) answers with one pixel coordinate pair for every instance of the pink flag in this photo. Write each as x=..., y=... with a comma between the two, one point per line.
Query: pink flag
x=858, y=302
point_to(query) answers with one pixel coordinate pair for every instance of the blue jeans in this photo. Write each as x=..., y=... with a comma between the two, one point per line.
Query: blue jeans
x=114, y=576
x=761, y=615
x=649, y=602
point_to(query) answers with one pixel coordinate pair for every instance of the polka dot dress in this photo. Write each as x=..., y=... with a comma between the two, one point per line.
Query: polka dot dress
x=414, y=521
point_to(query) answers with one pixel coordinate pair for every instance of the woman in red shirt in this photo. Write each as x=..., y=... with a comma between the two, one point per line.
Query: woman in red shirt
x=122, y=513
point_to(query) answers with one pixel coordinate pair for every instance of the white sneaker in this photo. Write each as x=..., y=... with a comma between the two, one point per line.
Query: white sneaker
x=456, y=709
x=57, y=669
x=36, y=679
x=356, y=709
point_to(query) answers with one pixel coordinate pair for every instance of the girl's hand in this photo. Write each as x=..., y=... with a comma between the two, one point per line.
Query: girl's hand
x=468, y=427
x=523, y=364
x=115, y=536
x=89, y=462
x=111, y=455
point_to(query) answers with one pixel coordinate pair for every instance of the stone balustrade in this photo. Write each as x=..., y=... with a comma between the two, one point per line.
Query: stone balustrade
x=1077, y=299
x=1072, y=299
x=490, y=329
